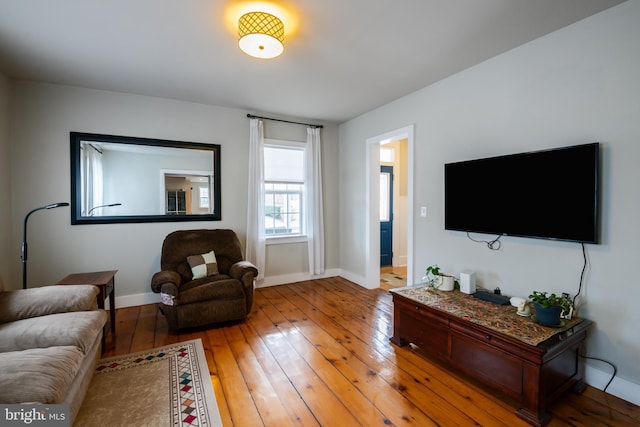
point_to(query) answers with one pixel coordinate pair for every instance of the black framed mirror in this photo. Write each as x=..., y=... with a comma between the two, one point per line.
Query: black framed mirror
x=120, y=179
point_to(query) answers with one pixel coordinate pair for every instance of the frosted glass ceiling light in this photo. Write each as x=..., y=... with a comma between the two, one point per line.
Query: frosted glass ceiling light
x=261, y=35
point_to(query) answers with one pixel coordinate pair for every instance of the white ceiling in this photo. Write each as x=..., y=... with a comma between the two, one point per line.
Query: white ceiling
x=342, y=58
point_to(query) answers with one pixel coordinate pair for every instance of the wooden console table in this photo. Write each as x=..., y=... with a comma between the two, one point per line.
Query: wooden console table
x=105, y=282
x=524, y=360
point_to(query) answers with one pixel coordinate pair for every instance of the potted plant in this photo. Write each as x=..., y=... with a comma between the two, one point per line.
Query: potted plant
x=550, y=307
x=439, y=280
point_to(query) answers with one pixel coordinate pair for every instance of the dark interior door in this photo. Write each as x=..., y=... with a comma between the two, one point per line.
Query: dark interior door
x=386, y=215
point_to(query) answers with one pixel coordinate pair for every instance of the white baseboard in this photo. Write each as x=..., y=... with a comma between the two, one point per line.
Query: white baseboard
x=137, y=299
x=296, y=277
x=355, y=278
x=401, y=261
x=152, y=298
x=619, y=387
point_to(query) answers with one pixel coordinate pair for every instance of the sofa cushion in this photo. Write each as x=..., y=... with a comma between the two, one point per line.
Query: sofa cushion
x=78, y=329
x=25, y=303
x=203, y=265
x=221, y=288
x=38, y=375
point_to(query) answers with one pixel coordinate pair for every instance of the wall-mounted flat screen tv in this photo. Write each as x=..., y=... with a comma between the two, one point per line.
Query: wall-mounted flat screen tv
x=549, y=194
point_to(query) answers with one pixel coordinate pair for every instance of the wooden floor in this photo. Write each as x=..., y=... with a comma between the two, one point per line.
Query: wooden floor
x=318, y=353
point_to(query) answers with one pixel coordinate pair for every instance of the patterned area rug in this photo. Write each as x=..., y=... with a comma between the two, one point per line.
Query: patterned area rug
x=166, y=386
x=393, y=279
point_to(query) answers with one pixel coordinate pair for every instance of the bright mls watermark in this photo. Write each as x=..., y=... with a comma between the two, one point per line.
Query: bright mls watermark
x=34, y=415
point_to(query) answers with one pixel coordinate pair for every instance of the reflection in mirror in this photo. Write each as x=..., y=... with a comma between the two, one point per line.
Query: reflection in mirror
x=187, y=194
x=126, y=179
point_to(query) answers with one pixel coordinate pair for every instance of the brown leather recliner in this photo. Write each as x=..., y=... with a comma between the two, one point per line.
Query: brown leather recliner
x=217, y=298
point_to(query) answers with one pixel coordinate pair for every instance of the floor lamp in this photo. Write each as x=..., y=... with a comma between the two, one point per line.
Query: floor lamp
x=23, y=256
x=90, y=213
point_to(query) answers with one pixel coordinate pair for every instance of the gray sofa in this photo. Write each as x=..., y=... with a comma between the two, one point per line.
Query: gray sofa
x=50, y=341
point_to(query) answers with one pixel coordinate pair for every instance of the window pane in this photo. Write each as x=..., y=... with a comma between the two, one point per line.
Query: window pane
x=386, y=154
x=384, y=197
x=283, y=209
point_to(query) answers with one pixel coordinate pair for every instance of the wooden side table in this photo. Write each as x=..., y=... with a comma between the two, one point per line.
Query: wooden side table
x=105, y=282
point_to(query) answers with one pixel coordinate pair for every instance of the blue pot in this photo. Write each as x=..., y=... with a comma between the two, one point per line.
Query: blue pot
x=548, y=316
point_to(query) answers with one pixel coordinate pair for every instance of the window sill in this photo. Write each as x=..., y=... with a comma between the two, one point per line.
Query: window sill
x=285, y=240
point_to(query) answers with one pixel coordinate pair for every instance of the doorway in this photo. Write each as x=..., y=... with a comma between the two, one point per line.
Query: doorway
x=372, y=279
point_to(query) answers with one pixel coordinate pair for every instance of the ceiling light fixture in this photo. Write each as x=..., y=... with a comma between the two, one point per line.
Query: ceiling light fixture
x=261, y=35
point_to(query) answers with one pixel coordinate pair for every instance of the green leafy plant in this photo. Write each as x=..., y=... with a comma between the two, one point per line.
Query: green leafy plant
x=546, y=300
x=432, y=272
x=432, y=276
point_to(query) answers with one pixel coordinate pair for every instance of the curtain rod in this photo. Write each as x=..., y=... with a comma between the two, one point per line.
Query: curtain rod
x=251, y=116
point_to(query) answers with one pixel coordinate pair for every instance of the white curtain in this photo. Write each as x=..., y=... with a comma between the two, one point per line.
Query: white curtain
x=255, y=204
x=91, y=184
x=314, y=216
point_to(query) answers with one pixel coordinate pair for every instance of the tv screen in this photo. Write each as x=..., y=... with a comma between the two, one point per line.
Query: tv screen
x=549, y=194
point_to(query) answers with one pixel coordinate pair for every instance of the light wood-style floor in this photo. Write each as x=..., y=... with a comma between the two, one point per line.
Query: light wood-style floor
x=318, y=353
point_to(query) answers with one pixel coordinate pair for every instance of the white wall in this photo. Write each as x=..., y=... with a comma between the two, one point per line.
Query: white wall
x=136, y=179
x=577, y=85
x=5, y=187
x=43, y=115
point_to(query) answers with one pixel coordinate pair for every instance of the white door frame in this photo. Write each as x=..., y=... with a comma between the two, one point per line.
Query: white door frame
x=373, y=204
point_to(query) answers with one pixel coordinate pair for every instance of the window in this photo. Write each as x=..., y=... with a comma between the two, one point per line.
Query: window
x=203, y=196
x=385, y=191
x=387, y=154
x=284, y=188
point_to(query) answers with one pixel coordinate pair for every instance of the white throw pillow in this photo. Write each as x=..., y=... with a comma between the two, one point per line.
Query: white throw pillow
x=203, y=265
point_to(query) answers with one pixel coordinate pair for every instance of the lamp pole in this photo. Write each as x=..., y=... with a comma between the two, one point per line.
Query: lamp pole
x=90, y=213
x=23, y=255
